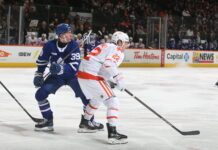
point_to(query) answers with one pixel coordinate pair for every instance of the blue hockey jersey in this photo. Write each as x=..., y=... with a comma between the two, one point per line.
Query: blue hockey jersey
x=89, y=47
x=52, y=53
x=91, y=43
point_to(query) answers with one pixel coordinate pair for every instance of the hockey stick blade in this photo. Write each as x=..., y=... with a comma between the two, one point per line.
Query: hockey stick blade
x=37, y=120
x=33, y=118
x=196, y=132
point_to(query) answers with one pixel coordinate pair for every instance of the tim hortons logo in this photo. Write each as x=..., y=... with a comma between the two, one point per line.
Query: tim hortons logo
x=145, y=55
x=4, y=53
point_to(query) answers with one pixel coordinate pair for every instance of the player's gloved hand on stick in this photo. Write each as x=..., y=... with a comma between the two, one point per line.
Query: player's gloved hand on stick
x=56, y=69
x=38, y=79
x=111, y=84
x=119, y=82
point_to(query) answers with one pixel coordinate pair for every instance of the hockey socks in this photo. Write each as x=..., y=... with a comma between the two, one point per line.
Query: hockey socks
x=45, y=109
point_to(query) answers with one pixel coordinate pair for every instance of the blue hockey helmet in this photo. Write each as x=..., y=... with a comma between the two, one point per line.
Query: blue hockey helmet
x=62, y=28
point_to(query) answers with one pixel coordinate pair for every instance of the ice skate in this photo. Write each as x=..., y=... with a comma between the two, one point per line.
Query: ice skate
x=45, y=125
x=114, y=137
x=86, y=126
x=98, y=126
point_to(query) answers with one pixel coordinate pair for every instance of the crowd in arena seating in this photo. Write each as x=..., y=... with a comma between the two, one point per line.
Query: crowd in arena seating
x=3, y=23
x=192, y=24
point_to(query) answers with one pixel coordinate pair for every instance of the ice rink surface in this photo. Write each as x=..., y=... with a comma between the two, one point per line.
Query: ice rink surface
x=184, y=96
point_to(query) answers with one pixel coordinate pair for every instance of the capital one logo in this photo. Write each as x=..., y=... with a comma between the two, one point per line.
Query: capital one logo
x=186, y=57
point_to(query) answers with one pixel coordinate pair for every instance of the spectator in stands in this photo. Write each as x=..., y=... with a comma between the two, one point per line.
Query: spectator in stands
x=190, y=33
x=131, y=43
x=32, y=39
x=51, y=27
x=103, y=32
x=43, y=29
x=140, y=30
x=140, y=43
x=79, y=40
x=80, y=30
x=198, y=38
x=42, y=40
x=131, y=16
x=106, y=39
x=62, y=18
x=109, y=37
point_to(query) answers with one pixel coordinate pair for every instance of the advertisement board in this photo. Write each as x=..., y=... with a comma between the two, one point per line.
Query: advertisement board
x=203, y=57
x=176, y=57
x=142, y=57
x=25, y=56
x=18, y=56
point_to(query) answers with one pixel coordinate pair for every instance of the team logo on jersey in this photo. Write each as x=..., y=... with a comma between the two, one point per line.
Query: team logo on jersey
x=116, y=57
x=4, y=53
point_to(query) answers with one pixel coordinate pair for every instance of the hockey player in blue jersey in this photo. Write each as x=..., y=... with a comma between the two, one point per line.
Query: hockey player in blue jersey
x=91, y=43
x=63, y=71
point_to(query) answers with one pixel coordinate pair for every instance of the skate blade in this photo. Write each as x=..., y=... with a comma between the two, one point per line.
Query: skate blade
x=100, y=129
x=46, y=129
x=83, y=130
x=113, y=141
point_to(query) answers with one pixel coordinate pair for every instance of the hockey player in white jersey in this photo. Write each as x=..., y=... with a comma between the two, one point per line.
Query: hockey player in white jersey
x=95, y=70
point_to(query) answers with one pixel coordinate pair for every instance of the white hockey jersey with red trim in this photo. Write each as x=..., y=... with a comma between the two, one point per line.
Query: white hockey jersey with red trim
x=103, y=61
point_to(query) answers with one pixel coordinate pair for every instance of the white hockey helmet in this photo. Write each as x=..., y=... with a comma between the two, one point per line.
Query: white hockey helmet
x=118, y=35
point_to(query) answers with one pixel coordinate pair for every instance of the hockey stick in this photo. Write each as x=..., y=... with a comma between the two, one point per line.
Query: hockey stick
x=33, y=118
x=195, y=132
x=84, y=39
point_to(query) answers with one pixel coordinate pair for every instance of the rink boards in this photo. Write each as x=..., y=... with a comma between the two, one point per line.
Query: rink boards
x=25, y=56
x=19, y=56
x=169, y=58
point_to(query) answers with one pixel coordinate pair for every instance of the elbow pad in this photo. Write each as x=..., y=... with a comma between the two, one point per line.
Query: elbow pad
x=108, y=70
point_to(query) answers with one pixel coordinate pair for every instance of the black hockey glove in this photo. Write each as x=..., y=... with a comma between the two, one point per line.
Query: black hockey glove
x=111, y=84
x=120, y=85
x=38, y=79
x=56, y=69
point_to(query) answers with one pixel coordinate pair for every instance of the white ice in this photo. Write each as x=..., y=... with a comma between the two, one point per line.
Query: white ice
x=186, y=97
